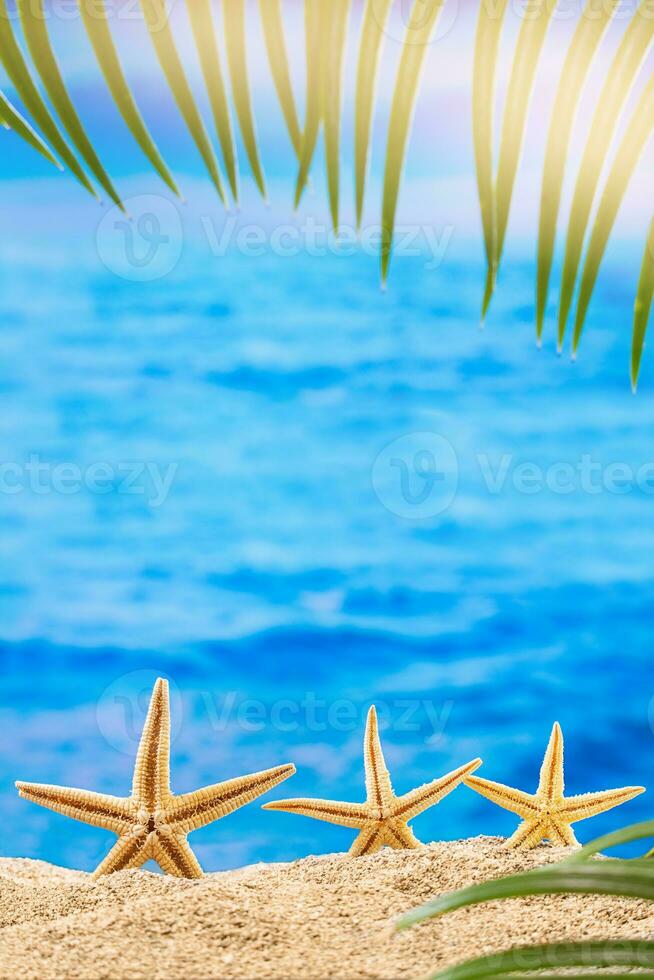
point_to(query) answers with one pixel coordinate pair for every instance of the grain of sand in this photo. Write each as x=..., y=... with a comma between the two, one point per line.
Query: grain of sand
x=316, y=918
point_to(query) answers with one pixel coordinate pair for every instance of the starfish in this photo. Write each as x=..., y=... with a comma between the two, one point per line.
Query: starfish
x=547, y=813
x=383, y=818
x=152, y=822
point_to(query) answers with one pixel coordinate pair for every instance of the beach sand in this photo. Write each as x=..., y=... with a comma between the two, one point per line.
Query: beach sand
x=320, y=917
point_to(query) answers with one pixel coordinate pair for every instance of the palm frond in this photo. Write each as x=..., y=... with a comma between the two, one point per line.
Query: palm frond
x=12, y=119
x=273, y=32
x=575, y=875
x=326, y=30
x=375, y=18
x=316, y=14
x=332, y=66
x=531, y=39
x=33, y=21
x=639, y=130
x=422, y=21
x=203, y=28
x=94, y=17
x=642, y=306
x=627, y=879
x=626, y=835
x=234, y=24
x=525, y=961
x=14, y=64
x=156, y=18
x=621, y=76
x=595, y=19
x=489, y=32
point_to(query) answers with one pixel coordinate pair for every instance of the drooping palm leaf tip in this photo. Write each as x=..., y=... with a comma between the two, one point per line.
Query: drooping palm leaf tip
x=30, y=59
x=575, y=875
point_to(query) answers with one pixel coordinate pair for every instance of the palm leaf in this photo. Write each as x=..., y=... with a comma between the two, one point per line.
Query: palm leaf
x=628, y=879
x=626, y=835
x=332, y=97
x=529, y=46
x=316, y=13
x=643, y=306
x=639, y=130
x=273, y=32
x=375, y=18
x=156, y=19
x=422, y=21
x=94, y=17
x=576, y=874
x=523, y=961
x=204, y=33
x=635, y=43
x=594, y=21
x=234, y=22
x=33, y=20
x=14, y=64
x=12, y=119
x=489, y=30
x=325, y=42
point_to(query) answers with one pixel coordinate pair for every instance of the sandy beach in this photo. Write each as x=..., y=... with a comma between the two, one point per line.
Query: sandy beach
x=319, y=917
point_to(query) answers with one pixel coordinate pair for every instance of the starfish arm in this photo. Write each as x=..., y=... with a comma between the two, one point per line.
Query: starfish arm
x=560, y=832
x=550, y=784
x=528, y=835
x=192, y=810
x=174, y=855
x=590, y=804
x=151, y=783
x=129, y=851
x=353, y=815
x=524, y=804
x=379, y=791
x=400, y=837
x=369, y=841
x=110, y=812
x=418, y=800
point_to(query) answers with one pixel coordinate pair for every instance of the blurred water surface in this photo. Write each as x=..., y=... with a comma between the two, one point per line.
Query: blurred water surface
x=294, y=496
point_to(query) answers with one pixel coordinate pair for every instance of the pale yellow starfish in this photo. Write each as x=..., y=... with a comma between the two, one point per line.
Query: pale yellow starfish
x=152, y=822
x=547, y=813
x=383, y=818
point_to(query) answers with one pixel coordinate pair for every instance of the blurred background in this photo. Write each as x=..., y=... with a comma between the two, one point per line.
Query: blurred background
x=227, y=458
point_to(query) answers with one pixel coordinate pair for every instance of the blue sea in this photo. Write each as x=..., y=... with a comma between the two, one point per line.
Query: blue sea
x=228, y=458
x=295, y=496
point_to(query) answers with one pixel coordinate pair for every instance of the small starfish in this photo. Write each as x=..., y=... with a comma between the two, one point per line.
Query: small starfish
x=383, y=818
x=547, y=814
x=152, y=822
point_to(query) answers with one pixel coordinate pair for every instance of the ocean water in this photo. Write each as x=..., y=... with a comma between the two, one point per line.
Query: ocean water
x=294, y=496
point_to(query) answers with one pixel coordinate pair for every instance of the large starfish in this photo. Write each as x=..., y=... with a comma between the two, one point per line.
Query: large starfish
x=152, y=822
x=547, y=813
x=383, y=818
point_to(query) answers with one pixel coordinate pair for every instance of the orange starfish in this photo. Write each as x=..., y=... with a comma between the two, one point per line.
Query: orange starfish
x=547, y=814
x=152, y=822
x=383, y=818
